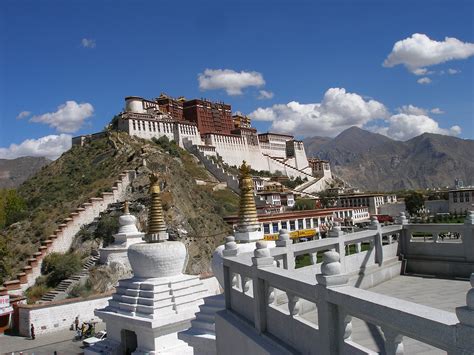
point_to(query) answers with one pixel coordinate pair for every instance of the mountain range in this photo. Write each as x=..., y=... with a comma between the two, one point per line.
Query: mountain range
x=374, y=162
x=14, y=171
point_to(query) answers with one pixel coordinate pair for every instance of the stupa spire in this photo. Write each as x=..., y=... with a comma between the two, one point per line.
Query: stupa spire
x=247, y=210
x=125, y=207
x=248, y=227
x=156, y=221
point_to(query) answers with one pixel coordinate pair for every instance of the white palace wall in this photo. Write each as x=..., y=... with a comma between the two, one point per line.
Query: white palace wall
x=63, y=236
x=54, y=316
x=149, y=129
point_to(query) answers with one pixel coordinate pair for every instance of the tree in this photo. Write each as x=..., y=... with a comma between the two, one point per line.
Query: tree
x=59, y=267
x=414, y=202
x=12, y=207
x=327, y=198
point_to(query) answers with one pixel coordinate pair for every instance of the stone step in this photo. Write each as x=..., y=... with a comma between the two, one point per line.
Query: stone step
x=207, y=317
x=207, y=308
x=216, y=300
x=205, y=325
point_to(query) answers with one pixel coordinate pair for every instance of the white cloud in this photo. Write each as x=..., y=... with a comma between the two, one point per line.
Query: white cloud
x=420, y=71
x=453, y=71
x=50, y=147
x=419, y=51
x=231, y=81
x=337, y=111
x=437, y=111
x=412, y=110
x=264, y=94
x=425, y=80
x=68, y=118
x=23, y=114
x=404, y=126
x=88, y=43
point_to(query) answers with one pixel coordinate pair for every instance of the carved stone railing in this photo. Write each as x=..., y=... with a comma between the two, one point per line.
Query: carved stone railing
x=253, y=283
x=336, y=303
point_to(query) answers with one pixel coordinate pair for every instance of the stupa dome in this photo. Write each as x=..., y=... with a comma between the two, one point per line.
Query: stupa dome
x=153, y=260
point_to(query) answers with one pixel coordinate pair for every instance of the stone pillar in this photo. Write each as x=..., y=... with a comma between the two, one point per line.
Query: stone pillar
x=336, y=232
x=393, y=342
x=465, y=327
x=261, y=258
x=334, y=324
x=375, y=225
x=468, y=237
x=284, y=241
x=231, y=249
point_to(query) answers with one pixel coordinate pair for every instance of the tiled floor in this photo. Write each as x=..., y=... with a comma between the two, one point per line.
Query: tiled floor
x=437, y=293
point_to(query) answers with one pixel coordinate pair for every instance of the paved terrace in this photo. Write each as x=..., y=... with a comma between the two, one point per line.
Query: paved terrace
x=317, y=309
x=437, y=293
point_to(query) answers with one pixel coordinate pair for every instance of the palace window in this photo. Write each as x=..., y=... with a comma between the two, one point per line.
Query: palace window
x=315, y=222
x=467, y=197
x=308, y=222
x=455, y=197
x=275, y=227
x=300, y=224
x=292, y=225
x=266, y=228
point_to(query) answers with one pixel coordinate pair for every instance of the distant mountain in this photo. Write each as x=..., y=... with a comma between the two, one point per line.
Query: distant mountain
x=375, y=162
x=14, y=171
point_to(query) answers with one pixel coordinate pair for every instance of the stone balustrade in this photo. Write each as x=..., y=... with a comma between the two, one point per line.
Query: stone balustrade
x=254, y=281
x=63, y=236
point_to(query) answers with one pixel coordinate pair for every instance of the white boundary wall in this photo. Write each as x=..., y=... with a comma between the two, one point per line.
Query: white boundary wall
x=54, y=316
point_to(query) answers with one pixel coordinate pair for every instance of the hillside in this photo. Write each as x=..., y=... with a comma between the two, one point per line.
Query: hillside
x=192, y=211
x=13, y=172
x=375, y=162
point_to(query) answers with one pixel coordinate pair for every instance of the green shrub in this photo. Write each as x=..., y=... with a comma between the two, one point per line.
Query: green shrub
x=59, y=267
x=106, y=228
x=34, y=293
x=79, y=290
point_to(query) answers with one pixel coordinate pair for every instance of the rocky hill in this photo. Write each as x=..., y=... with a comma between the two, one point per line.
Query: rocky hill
x=14, y=171
x=193, y=211
x=375, y=162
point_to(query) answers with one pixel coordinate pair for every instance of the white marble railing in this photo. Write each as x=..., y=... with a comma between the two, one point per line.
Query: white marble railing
x=254, y=284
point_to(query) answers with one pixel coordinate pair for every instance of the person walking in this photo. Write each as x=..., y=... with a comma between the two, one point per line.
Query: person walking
x=32, y=331
x=76, y=323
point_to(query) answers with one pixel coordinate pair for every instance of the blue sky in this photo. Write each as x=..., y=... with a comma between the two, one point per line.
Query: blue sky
x=319, y=63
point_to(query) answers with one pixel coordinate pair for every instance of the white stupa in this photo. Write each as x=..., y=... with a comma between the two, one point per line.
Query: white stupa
x=147, y=311
x=127, y=235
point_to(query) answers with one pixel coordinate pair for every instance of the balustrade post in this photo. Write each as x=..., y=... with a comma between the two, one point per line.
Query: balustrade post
x=465, y=327
x=260, y=259
x=468, y=236
x=284, y=241
x=393, y=342
x=336, y=232
x=375, y=225
x=230, y=247
x=334, y=324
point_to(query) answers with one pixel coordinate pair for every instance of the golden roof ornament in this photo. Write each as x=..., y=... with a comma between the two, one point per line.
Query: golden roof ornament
x=156, y=221
x=248, y=220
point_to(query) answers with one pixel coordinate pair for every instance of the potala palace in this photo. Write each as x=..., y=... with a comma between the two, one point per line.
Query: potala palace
x=210, y=130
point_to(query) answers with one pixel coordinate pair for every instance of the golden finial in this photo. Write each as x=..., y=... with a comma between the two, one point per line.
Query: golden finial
x=248, y=220
x=156, y=221
x=125, y=207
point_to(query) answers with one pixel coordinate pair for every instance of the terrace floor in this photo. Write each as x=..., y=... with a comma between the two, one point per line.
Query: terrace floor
x=437, y=293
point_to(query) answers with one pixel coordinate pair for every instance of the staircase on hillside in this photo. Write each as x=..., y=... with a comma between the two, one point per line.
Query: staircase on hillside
x=309, y=176
x=61, y=290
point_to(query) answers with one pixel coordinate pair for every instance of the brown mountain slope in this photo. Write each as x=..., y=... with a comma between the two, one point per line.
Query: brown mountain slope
x=14, y=171
x=375, y=162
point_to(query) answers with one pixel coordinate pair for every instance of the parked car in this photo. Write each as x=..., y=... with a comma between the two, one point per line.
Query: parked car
x=95, y=339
